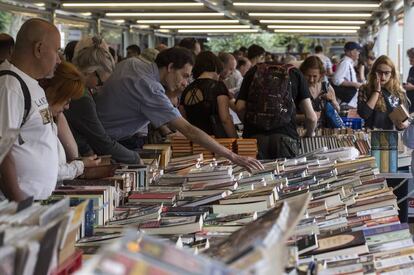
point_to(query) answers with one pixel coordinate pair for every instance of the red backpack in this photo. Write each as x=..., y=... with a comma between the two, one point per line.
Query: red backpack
x=270, y=103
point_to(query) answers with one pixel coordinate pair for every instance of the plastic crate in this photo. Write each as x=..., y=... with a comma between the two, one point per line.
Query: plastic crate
x=354, y=123
x=71, y=265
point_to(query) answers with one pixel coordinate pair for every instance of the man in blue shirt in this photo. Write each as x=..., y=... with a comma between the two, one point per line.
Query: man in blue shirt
x=134, y=95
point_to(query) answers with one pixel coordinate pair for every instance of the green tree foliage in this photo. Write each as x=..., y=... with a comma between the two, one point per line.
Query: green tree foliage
x=5, y=21
x=277, y=43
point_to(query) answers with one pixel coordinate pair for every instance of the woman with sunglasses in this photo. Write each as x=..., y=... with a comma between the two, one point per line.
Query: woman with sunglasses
x=95, y=62
x=381, y=93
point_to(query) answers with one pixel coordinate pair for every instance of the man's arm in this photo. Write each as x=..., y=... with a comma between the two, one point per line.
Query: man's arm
x=198, y=136
x=8, y=181
x=310, y=116
x=225, y=117
x=66, y=138
x=241, y=108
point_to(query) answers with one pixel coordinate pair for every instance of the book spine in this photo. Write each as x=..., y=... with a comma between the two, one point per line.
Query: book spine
x=375, y=147
x=89, y=219
x=384, y=161
x=393, y=147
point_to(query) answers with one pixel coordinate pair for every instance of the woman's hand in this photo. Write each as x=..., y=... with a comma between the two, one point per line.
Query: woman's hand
x=91, y=161
x=329, y=96
x=403, y=125
x=378, y=84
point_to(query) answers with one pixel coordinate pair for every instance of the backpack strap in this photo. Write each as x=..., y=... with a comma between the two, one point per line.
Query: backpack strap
x=26, y=94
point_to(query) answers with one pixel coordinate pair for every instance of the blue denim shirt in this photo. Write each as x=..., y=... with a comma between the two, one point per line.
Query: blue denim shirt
x=131, y=98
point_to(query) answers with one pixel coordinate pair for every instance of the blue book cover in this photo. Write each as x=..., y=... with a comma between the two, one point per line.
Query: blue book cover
x=385, y=229
x=393, y=161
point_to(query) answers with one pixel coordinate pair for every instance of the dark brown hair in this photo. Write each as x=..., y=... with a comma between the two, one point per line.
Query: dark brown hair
x=312, y=62
x=207, y=62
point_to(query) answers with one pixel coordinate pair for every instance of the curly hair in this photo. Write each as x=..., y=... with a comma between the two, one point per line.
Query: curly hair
x=393, y=85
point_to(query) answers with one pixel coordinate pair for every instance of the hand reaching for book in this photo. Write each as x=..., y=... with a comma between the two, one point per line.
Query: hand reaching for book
x=247, y=162
x=91, y=161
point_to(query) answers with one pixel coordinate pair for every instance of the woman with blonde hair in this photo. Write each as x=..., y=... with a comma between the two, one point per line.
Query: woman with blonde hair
x=95, y=62
x=66, y=84
x=381, y=93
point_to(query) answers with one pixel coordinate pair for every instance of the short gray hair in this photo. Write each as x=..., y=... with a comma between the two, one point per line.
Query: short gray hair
x=93, y=57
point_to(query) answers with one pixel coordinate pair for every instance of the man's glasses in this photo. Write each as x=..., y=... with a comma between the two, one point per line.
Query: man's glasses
x=100, y=82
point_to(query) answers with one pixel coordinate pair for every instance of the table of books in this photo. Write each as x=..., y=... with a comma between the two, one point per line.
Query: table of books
x=314, y=214
x=310, y=214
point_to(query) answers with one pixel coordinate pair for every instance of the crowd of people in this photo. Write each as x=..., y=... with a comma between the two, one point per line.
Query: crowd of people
x=90, y=101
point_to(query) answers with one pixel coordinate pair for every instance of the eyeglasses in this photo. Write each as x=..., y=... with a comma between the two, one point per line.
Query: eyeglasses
x=100, y=82
x=386, y=73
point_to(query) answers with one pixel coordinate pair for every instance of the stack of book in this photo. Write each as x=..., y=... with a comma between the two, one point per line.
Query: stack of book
x=181, y=146
x=164, y=149
x=36, y=238
x=198, y=149
x=226, y=142
x=246, y=147
x=316, y=210
x=359, y=140
x=177, y=164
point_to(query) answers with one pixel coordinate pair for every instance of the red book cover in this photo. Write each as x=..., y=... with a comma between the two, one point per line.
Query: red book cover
x=150, y=224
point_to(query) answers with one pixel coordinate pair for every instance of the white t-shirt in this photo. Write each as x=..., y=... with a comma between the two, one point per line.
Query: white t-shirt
x=345, y=72
x=67, y=171
x=36, y=159
x=234, y=81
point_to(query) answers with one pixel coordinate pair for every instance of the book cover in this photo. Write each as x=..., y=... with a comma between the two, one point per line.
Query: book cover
x=307, y=243
x=385, y=229
x=337, y=242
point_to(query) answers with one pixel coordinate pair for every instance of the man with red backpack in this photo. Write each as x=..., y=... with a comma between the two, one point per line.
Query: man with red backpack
x=269, y=96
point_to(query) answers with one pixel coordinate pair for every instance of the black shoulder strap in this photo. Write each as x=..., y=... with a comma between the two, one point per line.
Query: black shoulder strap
x=26, y=94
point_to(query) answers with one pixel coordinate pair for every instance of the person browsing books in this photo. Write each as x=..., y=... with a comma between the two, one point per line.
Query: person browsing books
x=205, y=102
x=96, y=64
x=134, y=95
x=66, y=84
x=382, y=92
x=314, y=71
x=267, y=103
x=31, y=166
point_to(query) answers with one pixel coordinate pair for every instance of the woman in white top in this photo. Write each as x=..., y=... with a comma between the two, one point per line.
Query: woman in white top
x=66, y=84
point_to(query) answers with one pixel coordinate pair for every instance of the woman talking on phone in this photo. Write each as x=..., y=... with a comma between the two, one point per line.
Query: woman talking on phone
x=381, y=95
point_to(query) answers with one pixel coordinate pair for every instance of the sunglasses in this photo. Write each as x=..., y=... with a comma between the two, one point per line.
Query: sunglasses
x=100, y=82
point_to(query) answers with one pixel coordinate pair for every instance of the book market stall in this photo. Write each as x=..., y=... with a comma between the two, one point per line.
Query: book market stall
x=327, y=211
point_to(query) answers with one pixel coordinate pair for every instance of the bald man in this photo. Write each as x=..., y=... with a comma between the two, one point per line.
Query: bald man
x=31, y=166
x=229, y=64
x=6, y=46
